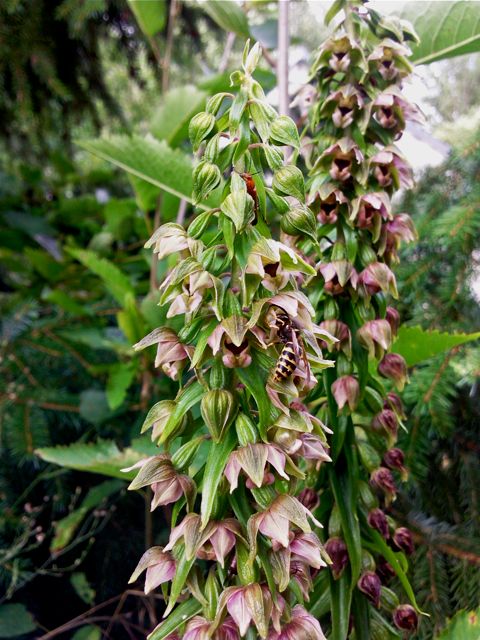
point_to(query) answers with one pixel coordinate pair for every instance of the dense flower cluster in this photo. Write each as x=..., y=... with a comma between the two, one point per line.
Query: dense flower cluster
x=266, y=437
x=240, y=447
x=355, y=168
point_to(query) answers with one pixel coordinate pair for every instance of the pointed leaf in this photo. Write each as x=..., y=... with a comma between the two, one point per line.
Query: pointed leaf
x=182, y=614
x=213, y=474
x=416, y=345
x=228, y=15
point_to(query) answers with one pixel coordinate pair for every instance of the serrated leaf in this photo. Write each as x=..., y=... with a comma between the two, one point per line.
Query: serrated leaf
x=228, y=15
x=216, y=461
x=416, y=345
x=445, y=29
x=151, y=15
x=182, y=614
x=115, y=280
x=148, y=159
x=102, y=457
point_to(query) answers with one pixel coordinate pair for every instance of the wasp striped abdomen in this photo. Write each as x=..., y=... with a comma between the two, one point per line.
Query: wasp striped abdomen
x=286, y=363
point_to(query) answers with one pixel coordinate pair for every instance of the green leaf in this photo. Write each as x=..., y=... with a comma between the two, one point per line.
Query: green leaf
x=89, y=632
x=150, y=15
x=342, y=491
x=445, y=29
x=178, y=106
x=255, y=383
x=146, y=158
x=216, y=461
x=102, y=456
x=416, y=345
x=340, y=600
x=182, y=614
x=183, y=567
x=66, y=527
x=238, y=207
x=228, y=15
x=115, y=280
x=465, y=625
x=202, y=340
x=120, y=378
x=15, y=621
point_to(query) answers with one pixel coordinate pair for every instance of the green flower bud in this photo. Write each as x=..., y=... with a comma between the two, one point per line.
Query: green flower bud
x=366, y=254
x=335, y=523
x=369, y=457
x=373, y=400
x=344, y=365
x=199, y=224
x=217, y=375
x=330, y=309
x=280, y=204
x=289, y=181
x=264, y=496
x=218, y=409
x=246, y=430
x=388, y=599
x=273, y=157
x=284, y=131
x=185, y=454
x=366, y=495
x=262, y=115
x=246, y=570
x=251, y=58
x=368, y=561
x=199, y=128
x=214, y=103
x=300, y=220
x=206, y=176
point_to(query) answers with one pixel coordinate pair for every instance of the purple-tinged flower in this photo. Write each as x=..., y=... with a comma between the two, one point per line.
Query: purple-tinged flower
x=376, y=336
x=247, y=604
x=405, y=618
x=395, y=459
x=403, y=539
x=212, y=542
x=341, y=332
x=390, y=59
x=337, y=551
x=382, y=480
x=369, y=211
x=302, y=626
x=390, y=169
x=369, y=584
x=309, y=498
x=171, y=353
x=391, y=110
x=233, y=336
x=199, y=628
x=159, y=565
x=378, y=520
x=275, y=263
x=393, y=318
x=393, y=366
x=326, y=200
x=394, y=402
x=310, y=447
x=306, y=547
x=275, y=521
x=346, y=391
x=167, y=485
x=384, y=570
x=377, y=277
x=338, y=275
x=400, y=229
x=386, y=421
x=252, y=460
x=341, y=160
x=343, y=106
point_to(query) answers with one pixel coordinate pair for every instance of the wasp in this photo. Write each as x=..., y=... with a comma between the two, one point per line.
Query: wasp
x=252, y=192
x=292, y=350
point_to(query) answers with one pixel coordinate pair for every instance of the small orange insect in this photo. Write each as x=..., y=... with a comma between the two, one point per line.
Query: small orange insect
x=252, y=192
